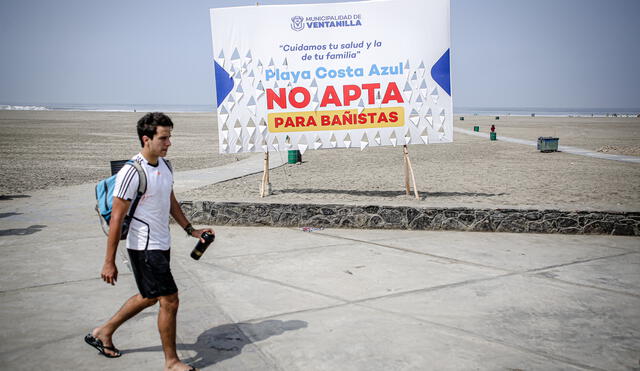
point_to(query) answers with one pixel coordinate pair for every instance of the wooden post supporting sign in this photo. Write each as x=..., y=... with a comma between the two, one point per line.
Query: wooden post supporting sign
x=264, y=186
x=408, y=171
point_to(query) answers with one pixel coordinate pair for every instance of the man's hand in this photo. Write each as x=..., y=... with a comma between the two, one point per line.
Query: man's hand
x=109, y=273
x=198, y=232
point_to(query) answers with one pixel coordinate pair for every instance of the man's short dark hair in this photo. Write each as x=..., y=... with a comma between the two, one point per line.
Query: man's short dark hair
x=147, y=125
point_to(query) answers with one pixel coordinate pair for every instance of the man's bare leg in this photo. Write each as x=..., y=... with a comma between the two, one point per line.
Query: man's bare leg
x=167, y=327
x=130, y=308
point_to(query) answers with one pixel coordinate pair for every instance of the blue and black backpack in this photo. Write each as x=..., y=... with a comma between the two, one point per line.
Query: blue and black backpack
x=104, y=200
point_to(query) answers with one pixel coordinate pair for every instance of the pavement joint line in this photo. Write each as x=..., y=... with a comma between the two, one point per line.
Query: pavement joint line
x=308, y=310
x=274, y=282
x=70, y=336
x=362, y=303
x=408, y=292
x=38, y=345
x=434, y=288
x=55, y=284
x=628, y=249
x=474, y=335
x=582, y=261
x=57, y=242
x=452, y=260
x=554, y=279
x=345, y=302
x=490, y=339
x=627, y=252
x=276, y=252
x=530, y=272
x=212, y=299
x=396, y=294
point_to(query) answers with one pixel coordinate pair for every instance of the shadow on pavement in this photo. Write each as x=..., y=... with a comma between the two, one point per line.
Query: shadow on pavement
x=11, y=197
x=22, y=231
x=7, y=215
x=384, y=193
x=227, y=341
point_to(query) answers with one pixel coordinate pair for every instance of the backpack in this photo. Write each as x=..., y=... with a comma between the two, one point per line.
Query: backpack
x=104, y=200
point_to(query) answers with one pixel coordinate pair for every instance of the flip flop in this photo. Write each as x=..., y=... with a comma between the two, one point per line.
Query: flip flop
x=97, y=343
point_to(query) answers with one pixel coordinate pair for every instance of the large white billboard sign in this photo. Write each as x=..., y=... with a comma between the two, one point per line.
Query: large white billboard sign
x=360, y=74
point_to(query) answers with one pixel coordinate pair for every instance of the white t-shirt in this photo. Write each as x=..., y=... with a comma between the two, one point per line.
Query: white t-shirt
x=150, y=225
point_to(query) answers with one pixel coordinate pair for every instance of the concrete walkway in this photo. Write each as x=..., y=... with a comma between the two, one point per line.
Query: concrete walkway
x=284, y=299
x=567, y=149
x=192, y=179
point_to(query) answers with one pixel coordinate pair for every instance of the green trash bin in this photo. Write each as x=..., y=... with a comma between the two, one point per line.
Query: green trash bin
x=548, y=144
x=294, y=156
x=476, y=128
x=493, y=136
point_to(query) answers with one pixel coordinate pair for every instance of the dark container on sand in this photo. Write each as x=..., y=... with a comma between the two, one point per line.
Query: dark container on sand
x=294, y=156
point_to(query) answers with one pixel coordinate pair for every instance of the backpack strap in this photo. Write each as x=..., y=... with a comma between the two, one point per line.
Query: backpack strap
x=142, y=186
x=168, y=163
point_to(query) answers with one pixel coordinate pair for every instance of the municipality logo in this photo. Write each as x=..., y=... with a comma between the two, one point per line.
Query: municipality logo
x=297, y=23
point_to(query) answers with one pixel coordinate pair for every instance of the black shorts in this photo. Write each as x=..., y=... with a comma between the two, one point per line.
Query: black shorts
x=152, y=272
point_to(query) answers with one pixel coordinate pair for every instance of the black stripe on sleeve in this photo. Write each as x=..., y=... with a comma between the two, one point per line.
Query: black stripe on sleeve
x=124, y=187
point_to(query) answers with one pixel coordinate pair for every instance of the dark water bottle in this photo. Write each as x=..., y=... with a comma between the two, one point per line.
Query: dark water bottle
x=201, y=247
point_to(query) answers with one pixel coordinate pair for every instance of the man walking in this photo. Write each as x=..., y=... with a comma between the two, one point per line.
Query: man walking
x=148, y=241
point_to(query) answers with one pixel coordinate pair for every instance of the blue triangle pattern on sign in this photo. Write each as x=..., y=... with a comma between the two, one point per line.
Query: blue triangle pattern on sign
x=441, y=72
x=224, y=83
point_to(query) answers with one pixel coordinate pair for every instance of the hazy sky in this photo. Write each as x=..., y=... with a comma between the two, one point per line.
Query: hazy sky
x=504, y=53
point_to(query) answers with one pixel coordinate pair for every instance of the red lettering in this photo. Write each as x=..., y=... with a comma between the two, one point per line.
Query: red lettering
x=324, y=119
x=280, y=100
x=392, y=93
x=306, y=97
x=382, y=118
x=330, y=97
x=350, y=93
x=393, y=116
x=336, y=120
x=279, y=121
x=289, y=122
x=311, y=121
x=371, y=90
x=299, y=121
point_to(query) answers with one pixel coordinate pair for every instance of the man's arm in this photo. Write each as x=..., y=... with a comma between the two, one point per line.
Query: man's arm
x=109, y=270
x=178, y=215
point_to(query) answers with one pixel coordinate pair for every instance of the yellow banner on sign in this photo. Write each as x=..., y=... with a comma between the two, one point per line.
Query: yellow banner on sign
x=285, y=122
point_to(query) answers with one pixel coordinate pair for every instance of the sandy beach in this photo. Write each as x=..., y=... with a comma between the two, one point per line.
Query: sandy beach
x=470, y=172
x=42, y=149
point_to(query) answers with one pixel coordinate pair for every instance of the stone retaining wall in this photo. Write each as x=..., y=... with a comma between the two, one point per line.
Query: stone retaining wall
x=390, y=217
